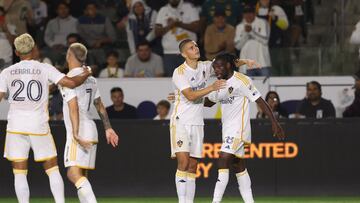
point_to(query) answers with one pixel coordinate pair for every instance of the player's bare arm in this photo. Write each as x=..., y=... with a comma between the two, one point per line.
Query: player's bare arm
x=192, y=95
x=277, y=129
x=75, y=122
x=250, y=63
x=75, y=81
x=111, y=136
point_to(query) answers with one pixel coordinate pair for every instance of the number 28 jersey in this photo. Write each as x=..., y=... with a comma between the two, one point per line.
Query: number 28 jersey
x=27, y=84
x=86, y=94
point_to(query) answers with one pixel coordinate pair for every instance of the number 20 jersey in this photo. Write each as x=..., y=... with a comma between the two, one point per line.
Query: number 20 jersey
x=85, y=94
x=27, y=84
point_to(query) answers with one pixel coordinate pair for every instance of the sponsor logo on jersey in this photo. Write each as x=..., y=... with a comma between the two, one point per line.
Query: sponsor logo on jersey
x=231, y=89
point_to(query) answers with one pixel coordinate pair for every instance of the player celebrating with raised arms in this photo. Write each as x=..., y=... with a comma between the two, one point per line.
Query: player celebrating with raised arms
x=81, y=132
x=186, y=124
x=27, y=84
x=236, y=130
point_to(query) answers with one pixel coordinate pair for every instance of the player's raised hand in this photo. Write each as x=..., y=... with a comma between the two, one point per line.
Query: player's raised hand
x=111, y=137
x=171, y=97
x=250, y=63
x=278, y=131
x=218, y=84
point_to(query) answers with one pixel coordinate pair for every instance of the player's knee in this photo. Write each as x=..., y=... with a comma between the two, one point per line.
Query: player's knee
x=239, y=165
x=183, y=164
x=73, y=175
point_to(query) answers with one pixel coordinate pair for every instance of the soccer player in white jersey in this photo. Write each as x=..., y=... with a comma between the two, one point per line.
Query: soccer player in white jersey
x=27, y=85
x=236, y=130
x=186, y=124
x=81, y=132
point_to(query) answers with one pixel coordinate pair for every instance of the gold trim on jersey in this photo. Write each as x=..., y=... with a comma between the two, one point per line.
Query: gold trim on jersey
x=20, y=171
x=45, y=159
x=173, y=126
x=16, y=159
x=223, y=170
x=242, y=119
x=83, y=167
x=50, y=170
x=241, y=173
x=80, y=181
x=242, y=78
x=73, y=150
x=27, y=133
x=181, y=69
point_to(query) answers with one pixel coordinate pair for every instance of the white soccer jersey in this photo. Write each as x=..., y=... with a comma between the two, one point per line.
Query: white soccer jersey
x=27, y=83
x=185, y=111
x=235, y=106
x=86, y=94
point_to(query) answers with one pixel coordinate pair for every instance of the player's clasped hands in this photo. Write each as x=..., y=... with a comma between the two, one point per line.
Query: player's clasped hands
x=219, y=84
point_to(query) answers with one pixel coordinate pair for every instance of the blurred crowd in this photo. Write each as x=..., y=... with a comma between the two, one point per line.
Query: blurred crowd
x=138, y=38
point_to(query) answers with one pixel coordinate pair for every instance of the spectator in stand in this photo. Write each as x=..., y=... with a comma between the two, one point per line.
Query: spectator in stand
x=276, y=16
x=60, y=27
x=7, y=36
x=112, y=68
x=163, y=108
x=355, y=36
x=232, y=9
x=175, y=22
x=144, y=63
x=76, y=6
x=120, y=109
x=354, y=109
x=18, y=13
x=219, y=36
x=314, y=106
x=40, y=14
x=273, y=99
x=37, y=55
x=57, y=31
x=95, y=29
x=296, y=15
x=251, y=38
x=141, y=24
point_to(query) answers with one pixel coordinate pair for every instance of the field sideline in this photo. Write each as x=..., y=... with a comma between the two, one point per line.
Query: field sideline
x=205, y=200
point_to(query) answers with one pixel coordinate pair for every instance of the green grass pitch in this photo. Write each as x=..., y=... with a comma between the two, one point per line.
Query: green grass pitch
x=205, y=200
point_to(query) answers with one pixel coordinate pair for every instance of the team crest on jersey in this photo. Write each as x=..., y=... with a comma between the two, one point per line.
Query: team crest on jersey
x=229, y=140
x=231, y=89
x=179, y=143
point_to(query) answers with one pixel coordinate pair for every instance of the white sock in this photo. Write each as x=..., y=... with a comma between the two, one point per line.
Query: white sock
x=190, y=187
x=244, y=182
x=222, y=181
x=21, y=186
x=85, y=191
x=180, y=181
x=56, y=184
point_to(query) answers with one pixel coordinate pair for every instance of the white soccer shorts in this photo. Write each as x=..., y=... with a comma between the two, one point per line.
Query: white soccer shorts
x=186, y=138
x=233, y=143
x=17, y=147
x=76, y=155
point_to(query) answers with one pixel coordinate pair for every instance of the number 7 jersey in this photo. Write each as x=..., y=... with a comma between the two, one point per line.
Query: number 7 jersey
x=27, y=84
x=86, y=94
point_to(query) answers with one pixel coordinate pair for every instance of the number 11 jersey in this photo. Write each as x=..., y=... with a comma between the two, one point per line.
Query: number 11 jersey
x=27, y=85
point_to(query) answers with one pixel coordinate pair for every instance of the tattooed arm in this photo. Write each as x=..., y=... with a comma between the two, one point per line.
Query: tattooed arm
x=111, y=137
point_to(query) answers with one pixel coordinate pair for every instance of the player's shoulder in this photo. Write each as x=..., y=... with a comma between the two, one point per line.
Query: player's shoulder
x=180, y=70
x=242, y=79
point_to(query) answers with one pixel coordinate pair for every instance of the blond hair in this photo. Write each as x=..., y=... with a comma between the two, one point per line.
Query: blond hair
x=79, y=51
x=24, y=44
